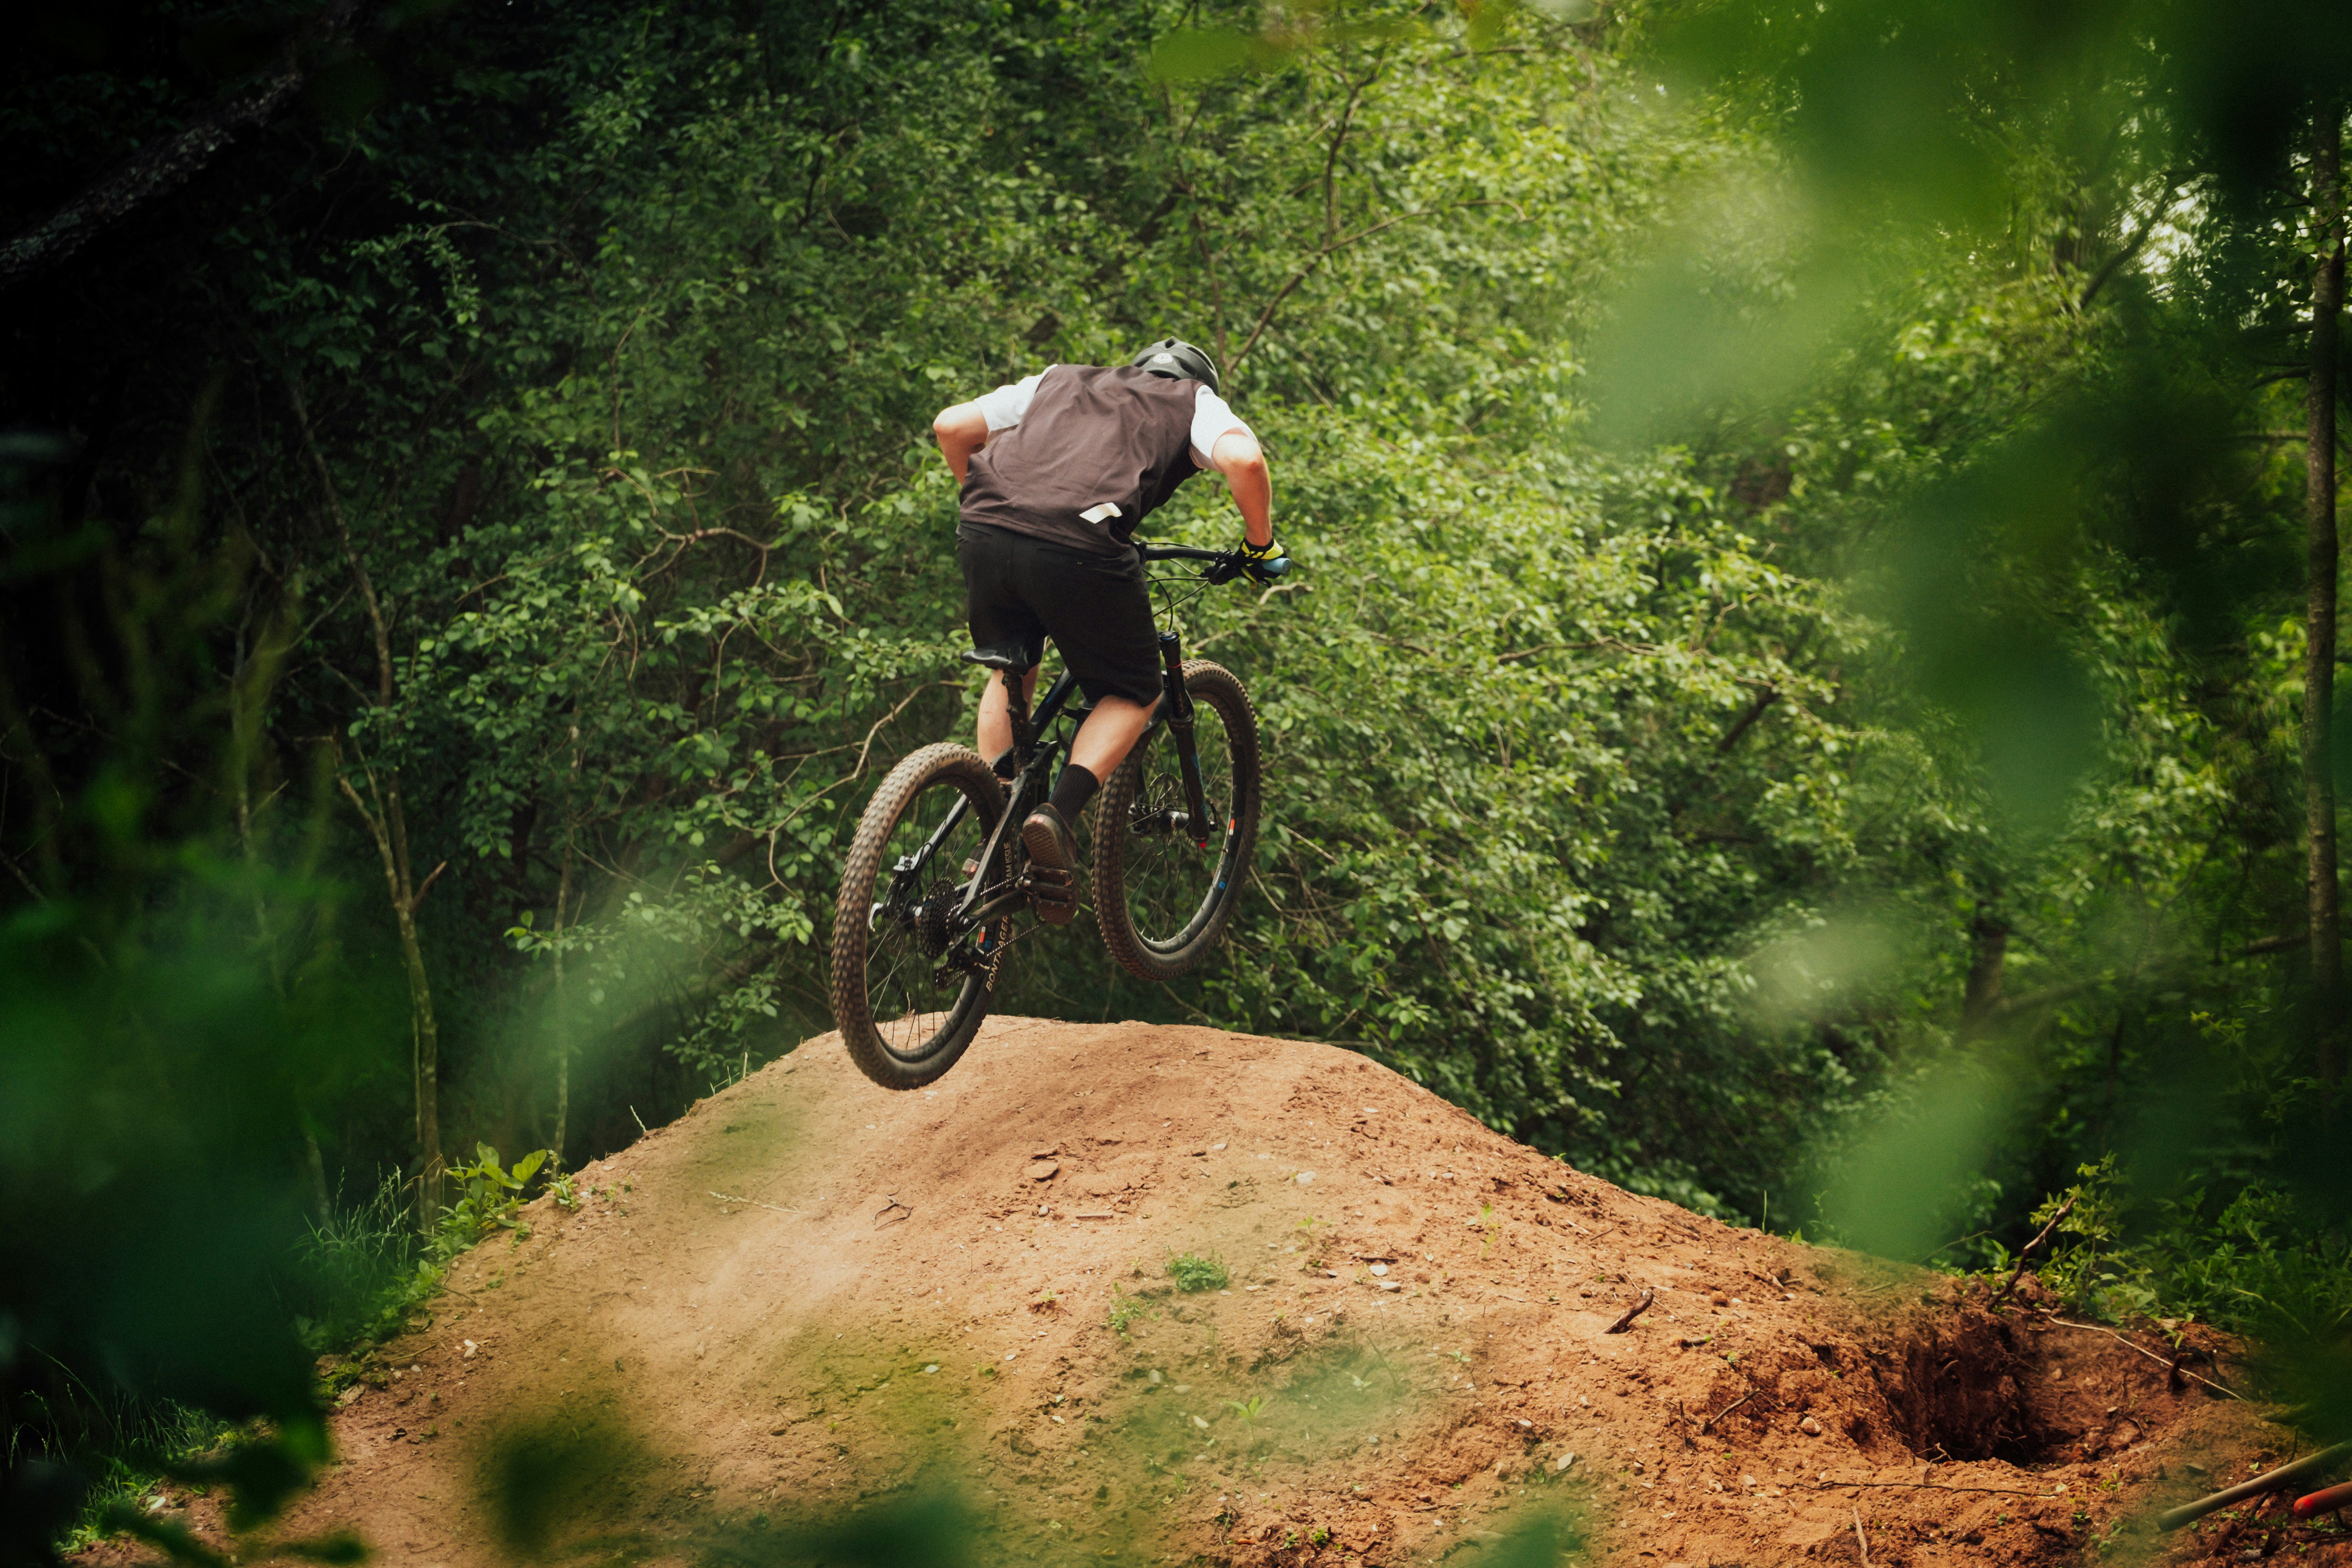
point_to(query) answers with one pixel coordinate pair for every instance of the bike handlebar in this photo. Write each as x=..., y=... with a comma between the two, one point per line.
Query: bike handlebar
x=1225, y=564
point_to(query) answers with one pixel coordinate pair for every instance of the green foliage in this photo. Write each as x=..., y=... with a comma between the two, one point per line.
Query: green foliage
x=1125, y=1309
x=1793, y=679
x=362, y=1272
x=490, y=1197
x=1192, y=1271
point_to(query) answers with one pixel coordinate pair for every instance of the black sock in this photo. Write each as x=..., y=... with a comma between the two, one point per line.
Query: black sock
x=1073, y=790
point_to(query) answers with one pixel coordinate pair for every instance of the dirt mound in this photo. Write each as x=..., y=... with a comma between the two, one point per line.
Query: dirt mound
x=810, y=1299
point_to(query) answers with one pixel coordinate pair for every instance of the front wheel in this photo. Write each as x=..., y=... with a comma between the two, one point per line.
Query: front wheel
x=1162, y=900
x=909, y=993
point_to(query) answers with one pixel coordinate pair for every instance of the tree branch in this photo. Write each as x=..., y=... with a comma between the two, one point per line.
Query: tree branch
x=2132, y=248
x=162, y=166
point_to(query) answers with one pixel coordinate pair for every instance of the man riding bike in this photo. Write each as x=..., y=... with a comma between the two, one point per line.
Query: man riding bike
x=1058, y=471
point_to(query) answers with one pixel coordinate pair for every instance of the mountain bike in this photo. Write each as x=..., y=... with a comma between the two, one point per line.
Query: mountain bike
x=936, y=878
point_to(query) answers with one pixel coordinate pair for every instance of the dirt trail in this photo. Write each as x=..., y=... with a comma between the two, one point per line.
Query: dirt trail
x=810, y=1297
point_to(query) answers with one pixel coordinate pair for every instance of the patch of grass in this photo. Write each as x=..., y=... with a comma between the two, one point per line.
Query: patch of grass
x=1193, y=1272
x=113, y=1439
x=359, y=1273
x=1125, y=1309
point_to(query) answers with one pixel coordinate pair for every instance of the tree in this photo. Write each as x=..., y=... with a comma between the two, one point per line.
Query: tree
x=2323, y=567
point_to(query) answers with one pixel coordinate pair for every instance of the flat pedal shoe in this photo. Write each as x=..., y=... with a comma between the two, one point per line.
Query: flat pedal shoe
x=1053, y=865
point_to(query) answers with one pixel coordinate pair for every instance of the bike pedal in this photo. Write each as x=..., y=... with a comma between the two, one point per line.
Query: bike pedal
x=1053, y=892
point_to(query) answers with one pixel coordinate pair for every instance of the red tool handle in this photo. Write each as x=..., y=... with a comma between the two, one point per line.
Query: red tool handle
x=2326, y=1501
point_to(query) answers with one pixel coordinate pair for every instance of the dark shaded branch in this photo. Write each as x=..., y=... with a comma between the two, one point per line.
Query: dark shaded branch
x=163, y=166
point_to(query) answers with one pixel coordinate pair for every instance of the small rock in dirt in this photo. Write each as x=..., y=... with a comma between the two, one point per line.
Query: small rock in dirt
x=1718, y=1301
x=1810, y=1428
x=1380, y=1269
x=1560, y=1466
x=1042, y=1170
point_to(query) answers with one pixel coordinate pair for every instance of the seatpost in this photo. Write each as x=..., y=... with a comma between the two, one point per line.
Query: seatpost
x=1017, y=708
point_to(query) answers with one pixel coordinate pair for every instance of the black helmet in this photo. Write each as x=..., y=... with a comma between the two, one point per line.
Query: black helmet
x=1177, y=359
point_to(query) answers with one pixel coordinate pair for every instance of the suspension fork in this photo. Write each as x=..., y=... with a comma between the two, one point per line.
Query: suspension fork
x=1180, y=726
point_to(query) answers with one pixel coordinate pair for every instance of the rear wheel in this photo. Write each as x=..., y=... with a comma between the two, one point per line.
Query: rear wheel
x=1162, y=900
x=908, y=998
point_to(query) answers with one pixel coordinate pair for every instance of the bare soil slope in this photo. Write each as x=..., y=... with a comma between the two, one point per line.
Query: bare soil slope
x=810, y=1297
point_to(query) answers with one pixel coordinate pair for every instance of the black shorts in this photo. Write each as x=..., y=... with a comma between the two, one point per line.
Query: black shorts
x=1097, y=608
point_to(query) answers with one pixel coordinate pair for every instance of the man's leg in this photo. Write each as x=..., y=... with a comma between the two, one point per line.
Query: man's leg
x=996, y=722
x=1110, y=733
x=1049, y=834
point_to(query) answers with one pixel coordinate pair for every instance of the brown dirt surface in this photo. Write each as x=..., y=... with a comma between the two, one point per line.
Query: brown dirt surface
x=813, y=1301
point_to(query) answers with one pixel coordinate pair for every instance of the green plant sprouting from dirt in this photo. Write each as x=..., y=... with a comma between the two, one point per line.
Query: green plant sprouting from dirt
x=1249, y=1409
x=1194, y=1272
x=1125, y=1309
x=489, y=1198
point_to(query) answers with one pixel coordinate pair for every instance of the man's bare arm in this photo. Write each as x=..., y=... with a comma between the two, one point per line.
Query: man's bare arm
x=961, y=431
x=1237, y=456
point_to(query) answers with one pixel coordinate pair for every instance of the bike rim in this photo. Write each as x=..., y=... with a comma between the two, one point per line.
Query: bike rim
x=1173, y=887
x=912, y=995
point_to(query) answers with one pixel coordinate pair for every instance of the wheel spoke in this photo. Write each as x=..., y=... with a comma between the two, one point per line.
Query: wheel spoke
x=1171, y=884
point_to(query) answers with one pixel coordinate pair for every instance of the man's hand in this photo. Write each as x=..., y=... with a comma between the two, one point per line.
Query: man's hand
x=1265, y=562
x=961, y=431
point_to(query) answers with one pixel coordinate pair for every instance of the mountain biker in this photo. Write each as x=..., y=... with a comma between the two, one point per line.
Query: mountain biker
x=1056, y=471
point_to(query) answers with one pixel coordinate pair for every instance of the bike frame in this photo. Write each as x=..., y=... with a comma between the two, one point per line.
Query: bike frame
x=1035, y=752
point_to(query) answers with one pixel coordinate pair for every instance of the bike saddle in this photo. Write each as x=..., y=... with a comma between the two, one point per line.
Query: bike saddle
x=1011, y=657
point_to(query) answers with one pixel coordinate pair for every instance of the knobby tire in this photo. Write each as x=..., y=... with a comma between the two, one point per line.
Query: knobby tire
x=883, y=980
x=1164, y=906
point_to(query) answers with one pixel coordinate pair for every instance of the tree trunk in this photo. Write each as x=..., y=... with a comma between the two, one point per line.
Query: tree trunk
x=2319, y=614
x=562, y=1011
x=1984, y=974
x=388, y=826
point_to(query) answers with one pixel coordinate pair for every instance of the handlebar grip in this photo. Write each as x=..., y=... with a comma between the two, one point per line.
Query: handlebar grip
x=1275, y=567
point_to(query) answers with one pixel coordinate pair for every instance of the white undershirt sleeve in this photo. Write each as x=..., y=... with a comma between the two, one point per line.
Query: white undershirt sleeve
x=1212, y=417
x=1008, y=406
